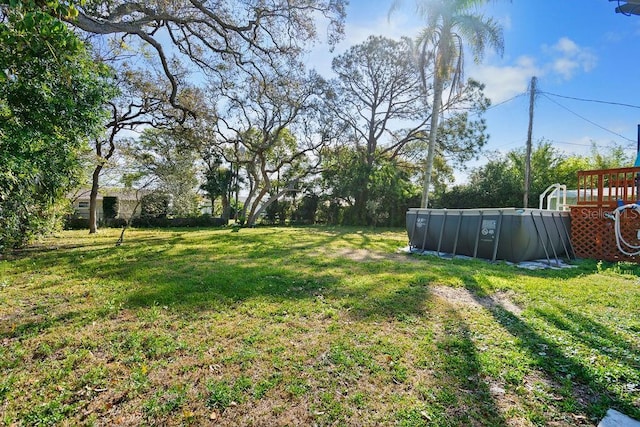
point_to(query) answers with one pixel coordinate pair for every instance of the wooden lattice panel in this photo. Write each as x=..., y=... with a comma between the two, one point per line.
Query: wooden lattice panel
x=593, y=234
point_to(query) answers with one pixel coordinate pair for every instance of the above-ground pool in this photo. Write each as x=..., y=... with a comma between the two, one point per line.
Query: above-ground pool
x=509, y=234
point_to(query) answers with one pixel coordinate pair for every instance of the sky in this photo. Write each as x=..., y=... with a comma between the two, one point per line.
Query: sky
x=575, y=48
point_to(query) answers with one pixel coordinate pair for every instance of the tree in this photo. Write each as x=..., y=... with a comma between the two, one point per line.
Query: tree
x=460, y=138
x=615, y=157
x=498, y=183
x=379, y=105
x=275, y=162
x=306, y=210
x=211, y=35
x=389, y=187
x=269, y=125
x=162, y=154
x=218, y=183
x=376, y=93
x=140, y=102
x=449, y=25
x=50, y=105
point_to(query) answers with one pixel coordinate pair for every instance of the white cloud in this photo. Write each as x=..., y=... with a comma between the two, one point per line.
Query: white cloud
x=394, y=27
x=504, y=82
x=567, y=58
x=566, y=46
x=564, y=59
x=565, y=67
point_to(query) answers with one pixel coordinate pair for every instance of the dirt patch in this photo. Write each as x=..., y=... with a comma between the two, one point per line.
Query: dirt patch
x=365, y=255
x=464, y=297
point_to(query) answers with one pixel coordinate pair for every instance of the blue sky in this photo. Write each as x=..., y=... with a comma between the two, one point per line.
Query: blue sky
x=576, y=48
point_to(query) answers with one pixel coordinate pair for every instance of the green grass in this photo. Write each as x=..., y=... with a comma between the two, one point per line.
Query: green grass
x=302, y=326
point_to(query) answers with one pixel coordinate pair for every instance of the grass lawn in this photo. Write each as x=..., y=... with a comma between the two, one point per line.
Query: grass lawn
x=307, y=326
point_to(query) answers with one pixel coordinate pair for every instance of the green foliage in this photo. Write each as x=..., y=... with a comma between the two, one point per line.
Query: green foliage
x=380, y=87
x=499, y=183
x=306, y=210
x=278, y=211
x=377, y=89
x=110, y=206
x=56, y=8
x=164, y=222
x=219, y=182
x=154, y=205
x=52, y=97
x=461, y=134
x=387, y=184
x=274, y=161
x=615, y=157
x=164, y=158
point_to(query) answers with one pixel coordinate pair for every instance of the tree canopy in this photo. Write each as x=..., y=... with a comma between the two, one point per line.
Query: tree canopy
x=52, y=99
x=211, y=36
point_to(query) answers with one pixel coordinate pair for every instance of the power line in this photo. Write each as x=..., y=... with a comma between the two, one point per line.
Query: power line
x=588, y=144
x=585, y=119
x=590, y=100
x=478, y=113
x=507, y=100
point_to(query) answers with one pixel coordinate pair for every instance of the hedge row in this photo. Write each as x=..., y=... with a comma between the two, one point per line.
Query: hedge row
x=197, y=221
x=148, y=222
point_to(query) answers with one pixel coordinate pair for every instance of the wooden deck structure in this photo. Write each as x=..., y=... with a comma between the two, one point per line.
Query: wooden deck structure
x=599, y=193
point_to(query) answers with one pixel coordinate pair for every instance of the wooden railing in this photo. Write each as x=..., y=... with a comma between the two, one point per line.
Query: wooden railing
x=606, y=186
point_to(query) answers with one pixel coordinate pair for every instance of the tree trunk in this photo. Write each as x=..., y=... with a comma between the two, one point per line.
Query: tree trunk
x=360, y=203
x=93, y=200
x=433, y=133
x=255, y=215
x=226, y=207
x=95, y=179
x=440, y=74
x=256, y=209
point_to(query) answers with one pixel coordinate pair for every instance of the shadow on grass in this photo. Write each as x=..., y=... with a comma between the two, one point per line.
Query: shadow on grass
x=594, y=335
x=191, y=271
x=34, y=325
x=204, y=290
x=594, y=393
x=204, y=269
x=460, y=396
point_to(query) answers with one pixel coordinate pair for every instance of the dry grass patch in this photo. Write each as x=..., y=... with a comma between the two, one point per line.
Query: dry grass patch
x=466, y=297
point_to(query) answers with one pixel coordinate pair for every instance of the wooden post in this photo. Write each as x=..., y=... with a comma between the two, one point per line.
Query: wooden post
x=527, y=159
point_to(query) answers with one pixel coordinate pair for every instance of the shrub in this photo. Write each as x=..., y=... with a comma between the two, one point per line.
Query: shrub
x=110, y=207
x=75, y=223
x=197, y=221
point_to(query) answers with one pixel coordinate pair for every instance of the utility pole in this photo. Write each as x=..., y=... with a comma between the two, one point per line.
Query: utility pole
x=527, y=159
x=637, y=163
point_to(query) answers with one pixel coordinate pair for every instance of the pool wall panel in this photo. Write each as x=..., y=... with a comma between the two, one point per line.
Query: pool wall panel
x=497, y=234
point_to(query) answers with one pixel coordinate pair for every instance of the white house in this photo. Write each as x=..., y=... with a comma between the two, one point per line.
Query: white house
x=127, y=202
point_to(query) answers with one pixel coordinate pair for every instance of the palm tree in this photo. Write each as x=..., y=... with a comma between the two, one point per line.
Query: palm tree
x=450, y=23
